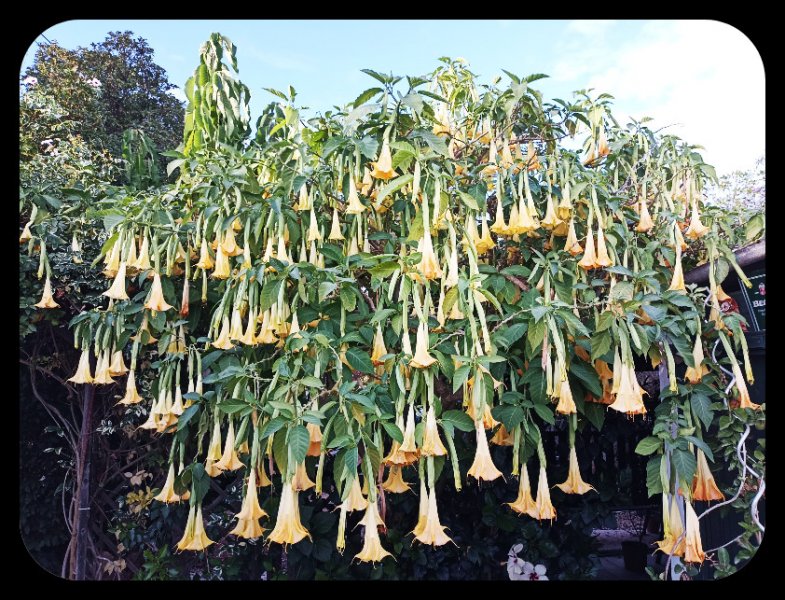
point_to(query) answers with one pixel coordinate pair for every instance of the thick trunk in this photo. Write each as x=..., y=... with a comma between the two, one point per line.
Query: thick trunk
x=81, y=531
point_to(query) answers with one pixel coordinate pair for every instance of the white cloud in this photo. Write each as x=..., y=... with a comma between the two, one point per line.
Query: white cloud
x=704, y=76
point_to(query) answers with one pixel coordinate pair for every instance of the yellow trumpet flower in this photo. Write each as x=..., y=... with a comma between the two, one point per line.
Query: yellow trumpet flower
x=485, y=242
x=205, y=260
x=432, y=531
x=372, y=550
x=229, y=244
x=379, y=349
x=249, y=529
x=589, y=259
x=550, y=220
x=677, y=282
x=303, y=199
x=574, y=483
x=117, y=290
x=382, y=169
x=543, y=505
x=354, y=206
x=26, y=234
x=693, y=549
x=167, y=493
x=432, y=444
x=566, y=405
x=131, y=395
x=696, y=373
x=102, y=375
x=143, y=260
x=696, y=229
x=262, y=479
x=335, y=230
x=222, y=266
x=629, y=398
x=250, y=509
x=571, y=244
x=483, y=467
x=422, y=515
x=672, y=526
x=288, y=528
x=355, y=500
x=499, y=227
x=301, y=481
x=155, y=301
x=524, y=503
x=222, y=341
x=229, y=460
x=409, y=445
x=47, y=301
x=422, y=359
x=645, y=223
x=117, y=366
x=194, y=537
x=188, y=535
x=703, y=485
x=395, y=483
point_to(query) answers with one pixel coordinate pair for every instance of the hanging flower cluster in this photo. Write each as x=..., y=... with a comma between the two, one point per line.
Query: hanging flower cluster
x=310, y=294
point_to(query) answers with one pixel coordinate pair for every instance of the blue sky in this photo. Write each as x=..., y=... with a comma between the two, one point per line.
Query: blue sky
x=697, y=77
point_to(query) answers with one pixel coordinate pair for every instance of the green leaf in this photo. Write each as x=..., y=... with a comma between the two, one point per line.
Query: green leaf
x=298, y=442
x=393, y=186
x=600, y=344
x=653, y=482
x=701, y=408
x=535, y=334
x=393, y=431
x=367, y=95
x=269, y=294
x=685, y=464
x=545, y=413
x=359, y=360
x=348, y=298
x=508, y=414
x=384, y=269
x=459, y=377
x=272, y=426
x=588, y=377
x=595, y=414
x=700, y=444
x=623, y=291
x=311, y=381
x=684, y=348
x=458, y=419
x=648, y=445
x=468, y=200
x=513, y=333
x=112, y=220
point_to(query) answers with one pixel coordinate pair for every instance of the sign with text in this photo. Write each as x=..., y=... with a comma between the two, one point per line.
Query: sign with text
x=757, y=296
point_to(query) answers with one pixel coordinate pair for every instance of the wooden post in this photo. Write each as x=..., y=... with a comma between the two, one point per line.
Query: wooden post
x=82, y=518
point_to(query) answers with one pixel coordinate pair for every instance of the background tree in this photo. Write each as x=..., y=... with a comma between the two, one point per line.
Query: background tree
x=110, y=87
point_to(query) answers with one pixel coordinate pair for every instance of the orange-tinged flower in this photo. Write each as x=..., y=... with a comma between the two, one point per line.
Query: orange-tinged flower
x=485, y=242
x=47, y=301
x=543, y=505
x=703, y=485
x=315, y=436
x=222, y=267
x=188, y=534
x=432, y=444
x=432, y=531
x=354, y=206
x=574, y=483
x=409, y=444
x=372, y=550
x=644, y=223
x=696, y=229
x=395, y=483
x=422, y=359
x=483, y=467
x=26, y=234
x=167, y=493
x=422, y=515
x=591, y=155
x=229, y=244
x=696, y=373
x=355, y=500
x=143, y=260
x=693, y=550
x=249, y=529
x=589, y=259
x=741, y=386
x=499, y=227
x=382, y=169
x=566, y=405
x=502, y=437
x=602, y=143
x=335, y=230
x=721, y=295
x=602, y=259
x=301, y=481
x=288, y=528
x=194, y=537
x=524, y=503
x=155, y=301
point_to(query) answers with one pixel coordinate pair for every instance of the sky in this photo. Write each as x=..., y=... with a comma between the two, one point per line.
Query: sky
x=703, y=80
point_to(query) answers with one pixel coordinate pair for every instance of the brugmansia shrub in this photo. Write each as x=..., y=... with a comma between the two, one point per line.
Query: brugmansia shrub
x=352, y=289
